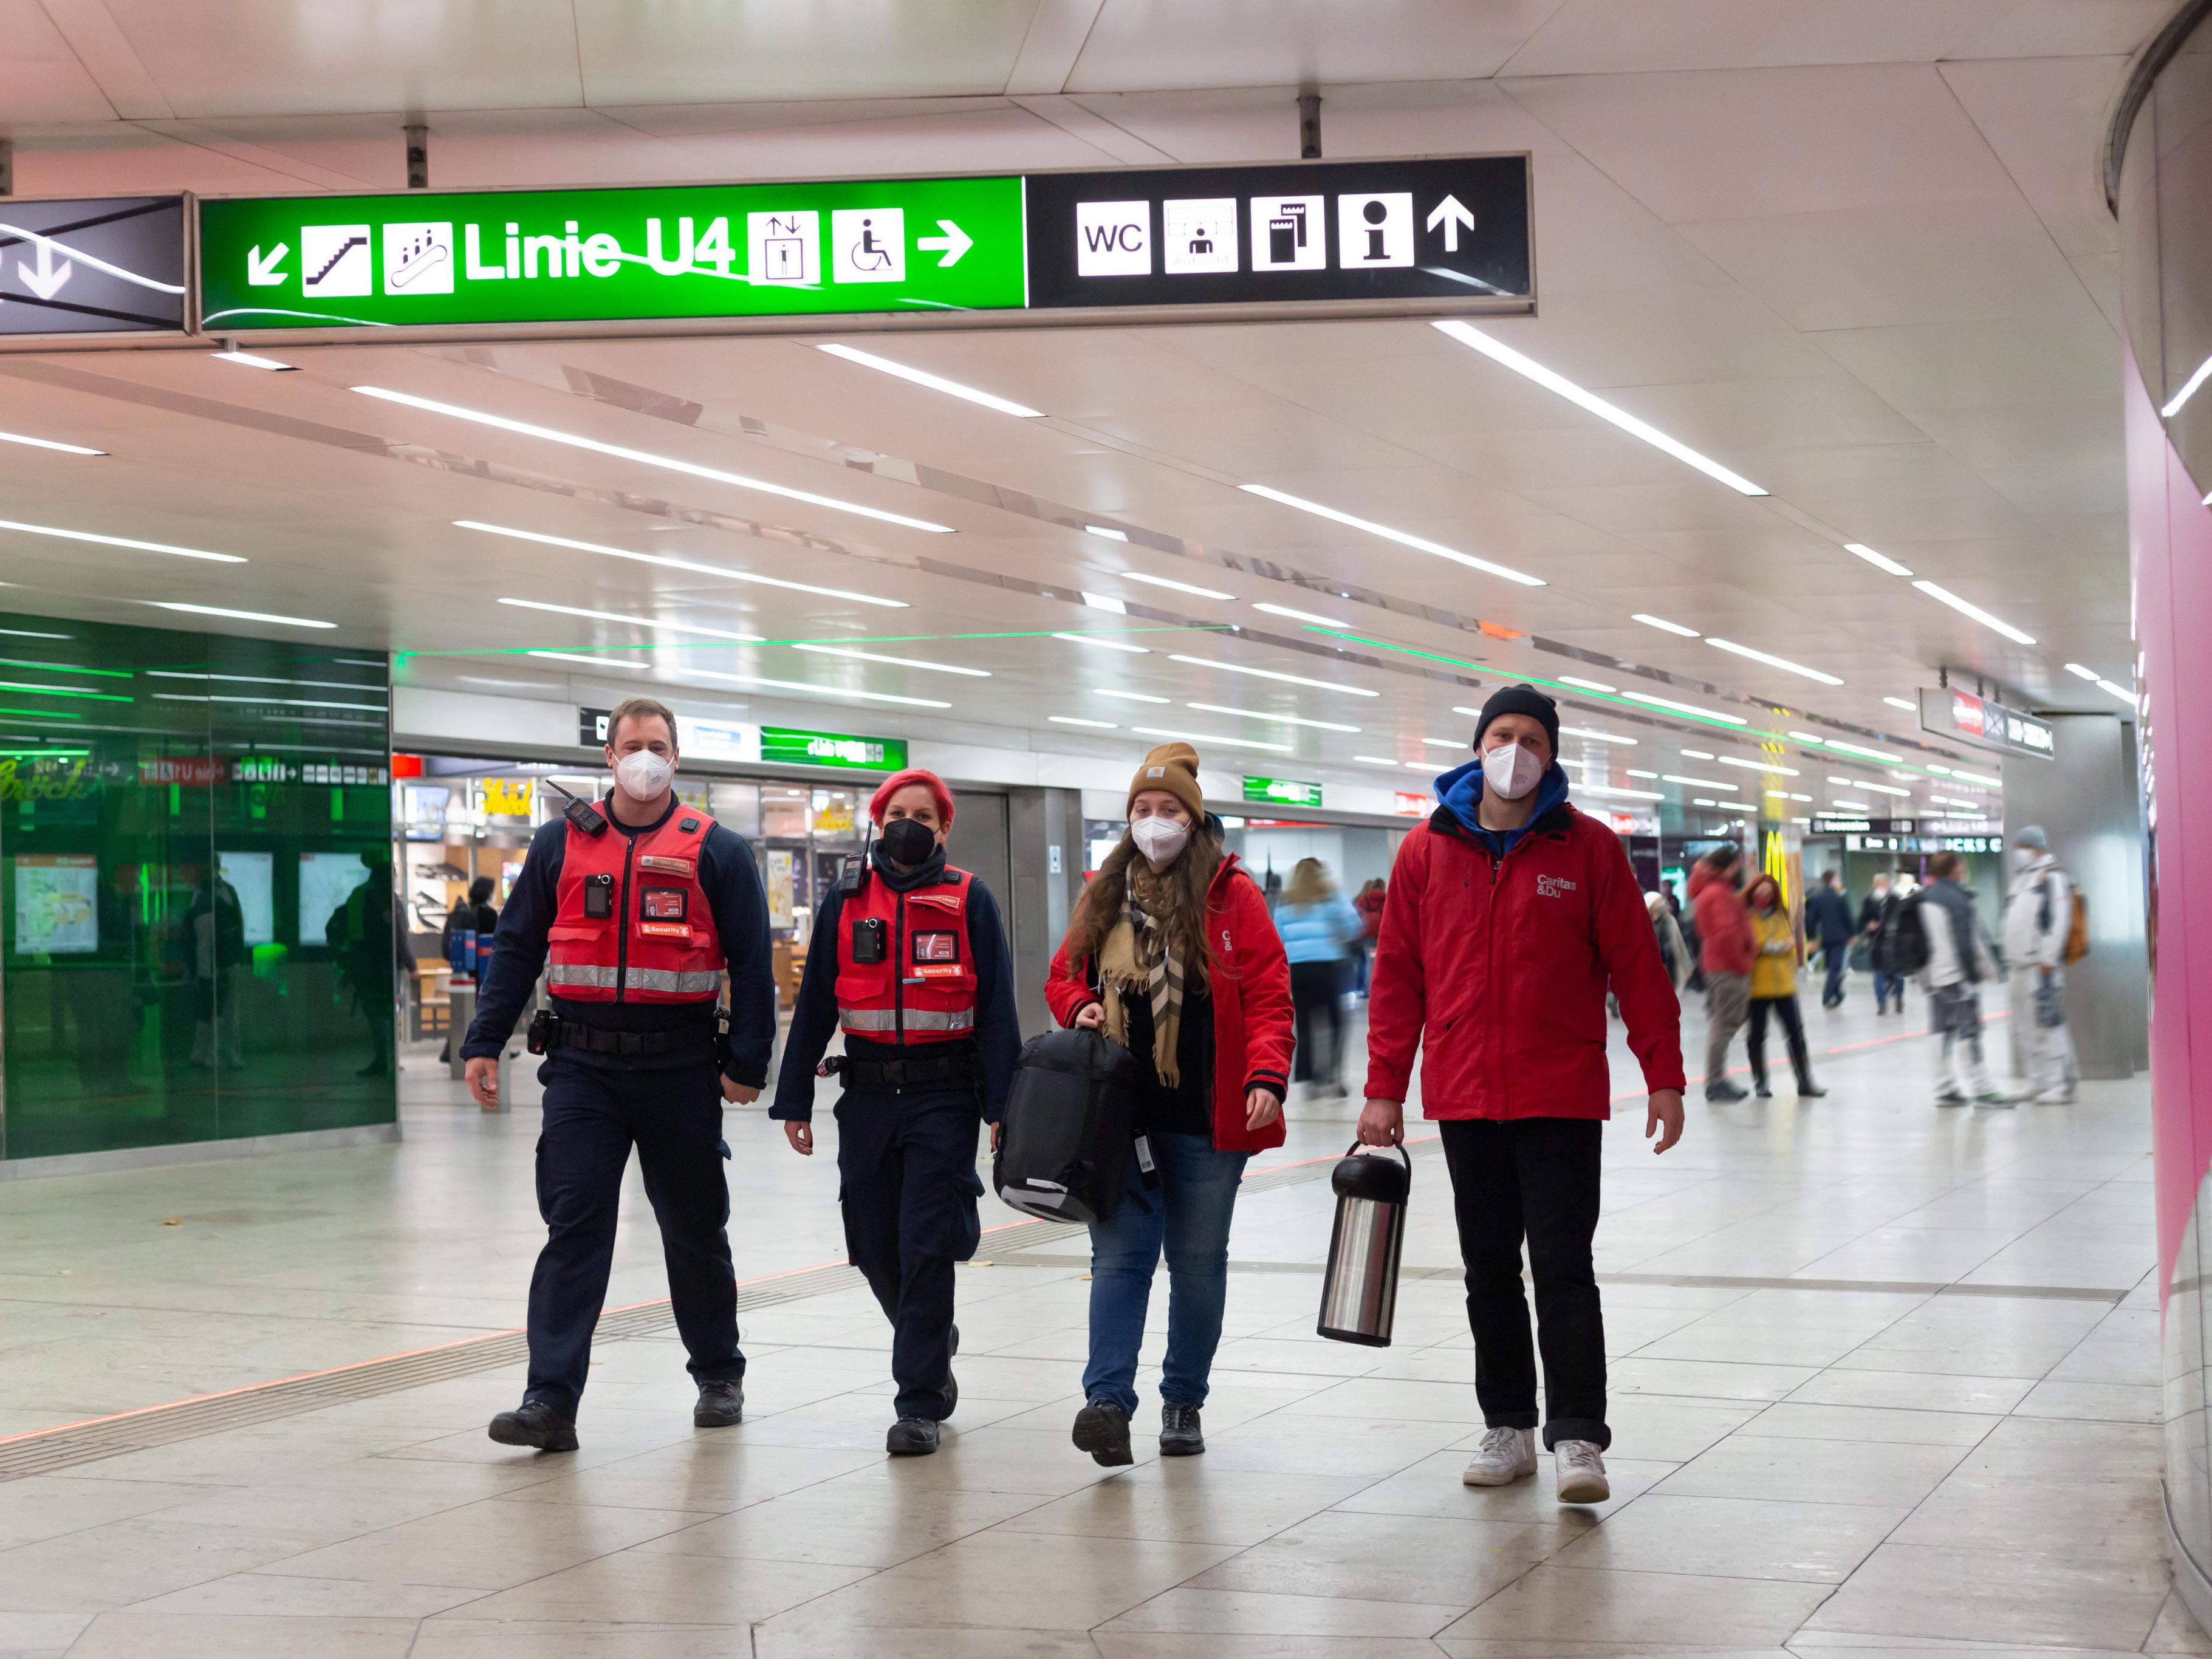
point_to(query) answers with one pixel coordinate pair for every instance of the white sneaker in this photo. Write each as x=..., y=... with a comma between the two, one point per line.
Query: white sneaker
x=1505, y=1455
x=2054, y=1098
x=1582, y=1472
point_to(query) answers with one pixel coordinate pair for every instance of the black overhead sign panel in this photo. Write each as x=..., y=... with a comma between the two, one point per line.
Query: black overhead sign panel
x=1454, y=229
x=108, y=266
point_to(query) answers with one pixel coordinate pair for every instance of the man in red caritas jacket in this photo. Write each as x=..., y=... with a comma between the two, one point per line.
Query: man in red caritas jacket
x=1508, y=913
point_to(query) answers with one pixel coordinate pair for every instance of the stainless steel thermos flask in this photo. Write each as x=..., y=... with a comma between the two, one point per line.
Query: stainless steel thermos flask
x=1360, y=1290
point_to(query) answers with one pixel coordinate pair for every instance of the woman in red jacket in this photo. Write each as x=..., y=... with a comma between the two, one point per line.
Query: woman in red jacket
x=1171, y=951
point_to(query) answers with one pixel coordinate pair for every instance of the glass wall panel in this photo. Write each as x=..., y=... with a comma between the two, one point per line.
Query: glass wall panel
x=196, y=892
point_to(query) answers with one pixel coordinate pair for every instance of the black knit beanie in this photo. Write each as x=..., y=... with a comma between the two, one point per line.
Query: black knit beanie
x=1522, y=699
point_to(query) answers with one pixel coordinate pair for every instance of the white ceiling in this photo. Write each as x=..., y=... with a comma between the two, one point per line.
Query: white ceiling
x=1857, y=253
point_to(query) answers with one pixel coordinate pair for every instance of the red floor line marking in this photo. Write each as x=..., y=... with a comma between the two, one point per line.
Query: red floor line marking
x=764, y=1278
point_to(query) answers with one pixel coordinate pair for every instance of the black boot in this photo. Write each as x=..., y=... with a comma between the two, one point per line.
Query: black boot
x=534, y=1424
x=1806, y=1089
x=1721, y=1091
x=952, y=1385
x=911, y=1437
x=1101, y=1428
x=1758, y=1086
x=721, y=1404
x=1179, y=1433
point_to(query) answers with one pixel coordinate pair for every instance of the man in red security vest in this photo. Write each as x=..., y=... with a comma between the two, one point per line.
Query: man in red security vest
x=909, y=960
x=641, y=904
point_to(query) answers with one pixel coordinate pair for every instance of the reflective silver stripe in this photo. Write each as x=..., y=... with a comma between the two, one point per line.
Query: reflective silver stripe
x=667, y=980
x=917, y=1019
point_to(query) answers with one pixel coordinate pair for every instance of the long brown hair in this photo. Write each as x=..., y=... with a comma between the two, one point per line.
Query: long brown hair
x=1187, y=881
x=1751, y=893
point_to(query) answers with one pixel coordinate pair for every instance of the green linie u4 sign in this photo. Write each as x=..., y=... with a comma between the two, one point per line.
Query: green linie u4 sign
x=906, y=246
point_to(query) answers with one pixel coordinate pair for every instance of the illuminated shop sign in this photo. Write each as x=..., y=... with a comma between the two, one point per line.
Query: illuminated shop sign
x=1984, y=723
x=1282, y=791
x=787, y=747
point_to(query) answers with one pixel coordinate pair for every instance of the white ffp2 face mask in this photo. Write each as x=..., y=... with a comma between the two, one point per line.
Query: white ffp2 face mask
x=1511, y=772
x=1159, y=839
x=641, y=775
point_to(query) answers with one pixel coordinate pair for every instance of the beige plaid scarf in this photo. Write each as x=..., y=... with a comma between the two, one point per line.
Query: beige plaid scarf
x=1139, y=958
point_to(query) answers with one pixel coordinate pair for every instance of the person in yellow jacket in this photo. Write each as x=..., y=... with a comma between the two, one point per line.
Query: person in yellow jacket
x=1779, y=953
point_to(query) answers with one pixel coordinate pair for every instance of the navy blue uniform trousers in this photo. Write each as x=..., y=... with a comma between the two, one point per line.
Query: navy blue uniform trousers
x=593, y=1116
x=907, y=1184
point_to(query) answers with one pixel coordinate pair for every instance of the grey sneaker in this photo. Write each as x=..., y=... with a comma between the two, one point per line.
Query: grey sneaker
x=1180, y=1435
x=1503, y=1457
x=1582, y=1472
x=1996, y=1097
x=721, y=1404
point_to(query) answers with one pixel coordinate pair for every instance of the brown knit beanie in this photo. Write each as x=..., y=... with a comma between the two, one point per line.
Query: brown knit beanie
x=1172, y=767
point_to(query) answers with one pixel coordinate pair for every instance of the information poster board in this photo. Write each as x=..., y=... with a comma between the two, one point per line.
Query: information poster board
x=56, y=904
x=779, y=897
x=252, y=876
x=326, y=881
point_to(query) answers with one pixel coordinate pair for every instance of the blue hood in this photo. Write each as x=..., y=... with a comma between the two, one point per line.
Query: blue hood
x=1461, y=792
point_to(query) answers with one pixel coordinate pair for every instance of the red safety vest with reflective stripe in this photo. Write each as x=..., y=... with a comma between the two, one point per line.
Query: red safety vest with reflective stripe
x=634, y=924
x=922, y=987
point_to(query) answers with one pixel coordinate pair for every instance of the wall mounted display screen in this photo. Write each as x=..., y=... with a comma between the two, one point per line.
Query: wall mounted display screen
x=326, y=881
x=252, y=877
x=56, y=904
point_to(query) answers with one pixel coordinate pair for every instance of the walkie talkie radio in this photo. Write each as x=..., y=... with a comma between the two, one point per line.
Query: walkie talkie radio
x=581, y=813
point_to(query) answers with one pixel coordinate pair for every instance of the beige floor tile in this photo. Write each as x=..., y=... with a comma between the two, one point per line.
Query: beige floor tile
x=2177, y=1630
x=1114, y=1643
x=39, y=1635
x=2042, y=1601
x=1180, y=1499
x=2111, y=1402
x=842, y=1524
x=264, y=1595
x=1799, y=1419
x=193, y=1635
x=1250, y=1612
x=1386, y=1557
x=1736, y=1537
x=1432, y=1486
x=525, y=1638
x=487, y=1546
x=1815, y=1471
x=1705, y=1379
x=1568, y=1604
x=2106, y=1521
x=1661, y=1428
x=634, y=1586
x=1914, y=1391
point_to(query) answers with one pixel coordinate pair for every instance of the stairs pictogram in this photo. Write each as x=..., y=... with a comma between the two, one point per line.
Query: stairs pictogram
x=344, y=248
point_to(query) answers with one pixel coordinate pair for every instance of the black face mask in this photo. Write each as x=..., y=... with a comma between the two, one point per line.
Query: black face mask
x=908, y=841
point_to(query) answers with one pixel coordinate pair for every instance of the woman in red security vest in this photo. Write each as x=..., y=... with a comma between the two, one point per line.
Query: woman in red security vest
x=909, y=962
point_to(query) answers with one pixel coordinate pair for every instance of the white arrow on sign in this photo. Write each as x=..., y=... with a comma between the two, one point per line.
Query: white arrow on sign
x=1451, y=214
x=263, y=273
x=954, y=243
x=46, y=278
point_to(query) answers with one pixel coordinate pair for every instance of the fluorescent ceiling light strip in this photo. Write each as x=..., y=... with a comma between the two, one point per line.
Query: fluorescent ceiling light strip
x=1420, y=765
x=896, y=662
x=1854, y=805
x=1375, y=760
x=2119, y=691
x=934, y=382
x=1130, y=696
x=47, y=443
x=668, y=563
x=1760, y=766
x=1871, y=754
x=1880, y=562
x=811, y=689
x=1613, y=789
x=1909, y=707
x=1271, y=674
x=1261, y=715
x=304, y=702
x=1664, y=626
x=240, y=616
x=1861, y=783
x=1595, y=736
x=1633, y=773
x=256, y=679
x=1183, y=587
x=654, y=622
x=1301, y=616
x=1551, y=380
x=1419, y=543
x=1966, y=608
x=252, y=360
x=1979, y=777
x=1696, y=754
x=1105, y=602
x=1807, y=736
x=1773, y=661
x=1107, y=531
x=1588, y=685
x=2172, y=407
x=646, y=457
x=1684, y=708
x=1210, y=737
x=120, y=541
x=66, y=668
x=34, y=634
x=62, y=692
x=1110, y=645
x=595, y=662
x=1697, y=783
x=1070, y=720
x=2076, y=668
x=1449, y=743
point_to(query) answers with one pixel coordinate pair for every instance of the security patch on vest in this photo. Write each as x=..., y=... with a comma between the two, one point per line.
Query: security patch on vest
x=937, y=956
x=663, y=904
x=664, y=930
x=668, y=865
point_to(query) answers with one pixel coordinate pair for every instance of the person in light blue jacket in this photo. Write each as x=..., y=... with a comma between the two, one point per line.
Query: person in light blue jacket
x=1318, y=925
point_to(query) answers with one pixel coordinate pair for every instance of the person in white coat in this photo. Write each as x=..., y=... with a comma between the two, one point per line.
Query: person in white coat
x=2038, y=911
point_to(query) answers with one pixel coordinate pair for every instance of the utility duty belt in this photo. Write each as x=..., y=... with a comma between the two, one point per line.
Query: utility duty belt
x=908, y=1073
x=549, y=1031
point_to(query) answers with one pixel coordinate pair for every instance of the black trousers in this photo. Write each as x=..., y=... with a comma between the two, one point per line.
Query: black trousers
x=1793, y=1031
x=593, y=1116
x=1317, y=1001
x=1534, y=1178
x=907, y=1184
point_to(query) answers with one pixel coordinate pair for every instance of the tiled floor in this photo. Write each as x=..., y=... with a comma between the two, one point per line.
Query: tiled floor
x=1885, y=1380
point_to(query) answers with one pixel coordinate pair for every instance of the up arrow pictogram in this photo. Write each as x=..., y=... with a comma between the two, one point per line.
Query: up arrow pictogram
x=263, y=273
x=45, y=278
x=1451, y=213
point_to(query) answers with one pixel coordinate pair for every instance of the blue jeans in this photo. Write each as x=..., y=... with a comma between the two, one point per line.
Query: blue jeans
x=1886, y=986
x=1189, y=1216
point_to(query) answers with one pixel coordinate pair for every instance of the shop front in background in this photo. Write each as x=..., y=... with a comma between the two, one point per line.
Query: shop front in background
x=195, y=889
